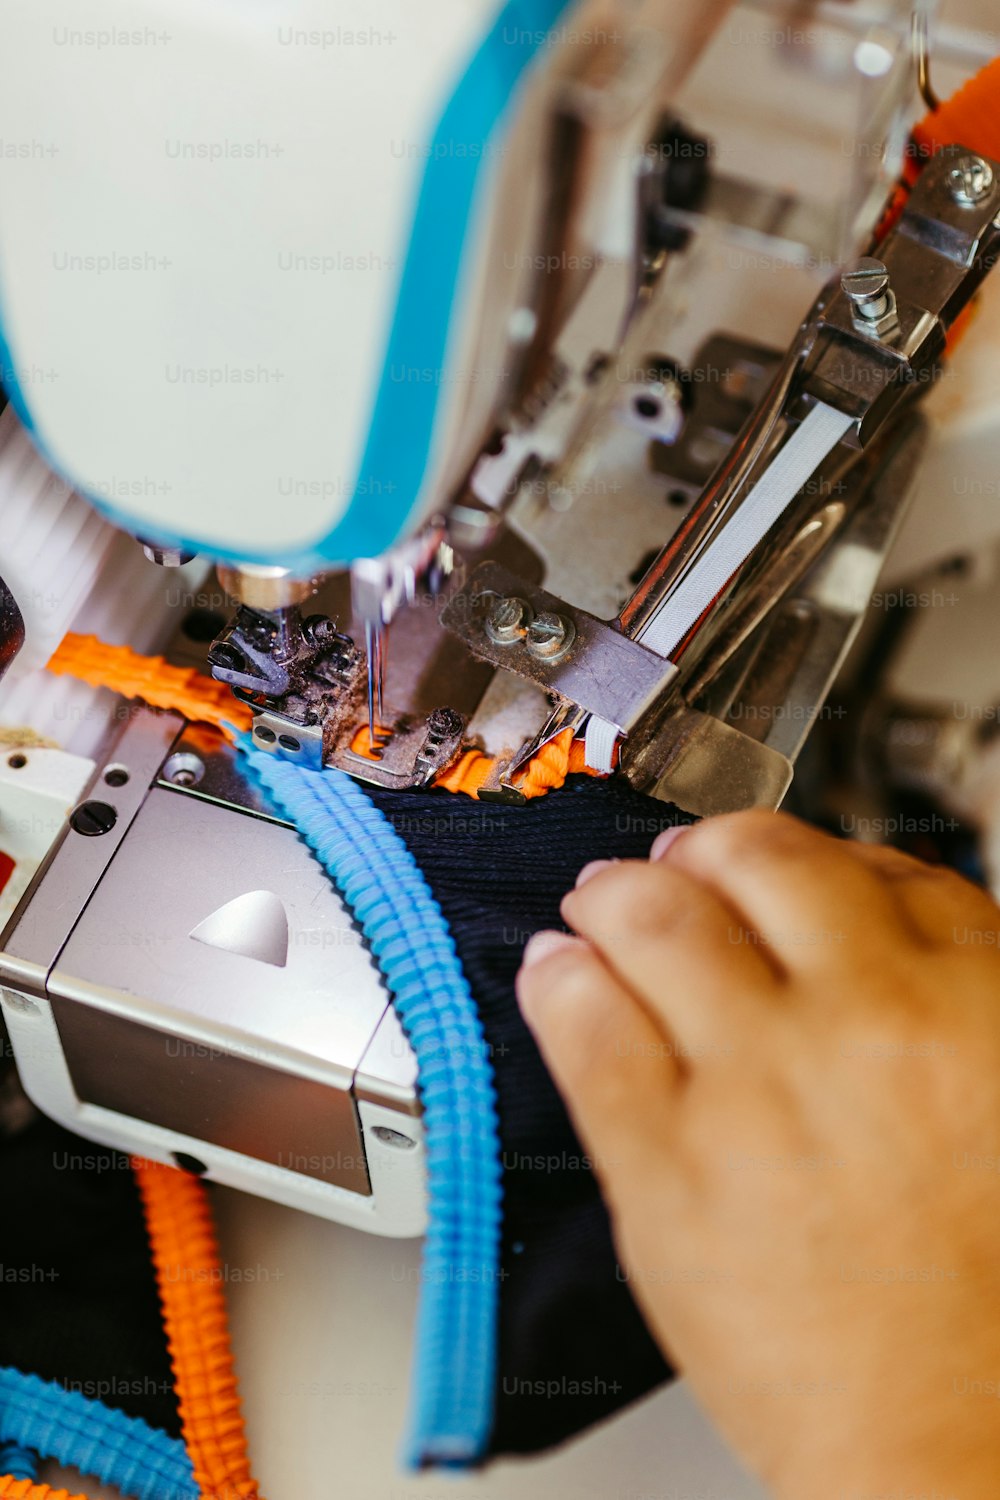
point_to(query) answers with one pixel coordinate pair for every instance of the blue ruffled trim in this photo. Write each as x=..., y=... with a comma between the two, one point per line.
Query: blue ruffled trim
x=454, y=1371
x=111, y=1447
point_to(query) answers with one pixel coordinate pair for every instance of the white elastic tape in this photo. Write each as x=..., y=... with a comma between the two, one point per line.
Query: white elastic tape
x=599, y=744
x=793, y=466
x=777, y=487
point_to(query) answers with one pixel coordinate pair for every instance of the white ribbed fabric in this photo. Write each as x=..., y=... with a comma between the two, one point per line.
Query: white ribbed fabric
x=70, y=570
x=52, y=545
x=784, y=477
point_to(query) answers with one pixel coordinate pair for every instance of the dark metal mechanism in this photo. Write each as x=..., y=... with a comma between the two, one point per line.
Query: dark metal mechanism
x=871, y=345
x=11, y=628
x=300, y=670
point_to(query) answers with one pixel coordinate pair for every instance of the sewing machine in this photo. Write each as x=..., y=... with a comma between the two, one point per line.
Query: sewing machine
x=505, y=399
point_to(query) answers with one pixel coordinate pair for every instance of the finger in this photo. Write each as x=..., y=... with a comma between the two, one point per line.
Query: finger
x=907, y=879
x=684, y=952
x=615, y=1068
x=942, y=905
x=808, y=899
x=897, y=866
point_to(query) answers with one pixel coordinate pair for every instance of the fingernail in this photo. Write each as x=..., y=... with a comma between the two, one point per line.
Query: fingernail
x=594, y=868
x=544, y=943
x=665, y=840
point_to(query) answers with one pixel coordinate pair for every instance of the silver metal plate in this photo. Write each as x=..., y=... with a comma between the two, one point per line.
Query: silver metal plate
x=185, y=862
x=603, y=671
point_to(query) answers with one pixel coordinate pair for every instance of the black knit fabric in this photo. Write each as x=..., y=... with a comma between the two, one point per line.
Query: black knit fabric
x=573, y=1347
x=78, y=1300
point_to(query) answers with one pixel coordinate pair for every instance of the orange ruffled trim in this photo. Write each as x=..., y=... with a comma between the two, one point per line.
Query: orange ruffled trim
x=26, y=1489
x=189, y=1278
x=971, y=117
x=206, y=701
x=183, y=689
x=561, y=757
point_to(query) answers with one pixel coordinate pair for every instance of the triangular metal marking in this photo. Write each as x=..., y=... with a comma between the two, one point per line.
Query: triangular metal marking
x=254, y=925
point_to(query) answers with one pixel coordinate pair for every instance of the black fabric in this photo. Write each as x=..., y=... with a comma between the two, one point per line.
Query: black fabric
x=78, y=1300
x=573, y=1347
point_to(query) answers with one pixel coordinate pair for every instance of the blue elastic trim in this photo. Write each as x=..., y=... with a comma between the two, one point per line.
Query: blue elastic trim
x=404, y=414
x=454, y=1370
x=115, y=1449
x=18, y=1462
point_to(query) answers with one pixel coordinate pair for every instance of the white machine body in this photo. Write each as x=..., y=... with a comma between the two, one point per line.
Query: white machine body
x=266, y=269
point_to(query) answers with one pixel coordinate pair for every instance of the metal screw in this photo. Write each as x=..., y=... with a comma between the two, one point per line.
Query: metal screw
x=550, y=636
x=444, y=723
x=508, y=620
x=93, y=818
x=867, y=285
x=183, y=769
x=970, y=180
x=320, y=630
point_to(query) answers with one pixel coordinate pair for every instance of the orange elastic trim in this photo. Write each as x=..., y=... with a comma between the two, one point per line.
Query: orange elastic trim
x=360, y=745
x=971, y=117
x=561, y=757
x=201, y=698
x=558, y=759
x=189, y=1278
x=467, y=774
x=184, y=689
x=26, y=1489
x=564, y=756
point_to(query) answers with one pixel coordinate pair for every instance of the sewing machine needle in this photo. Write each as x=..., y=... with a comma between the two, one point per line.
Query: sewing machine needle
x=382, y=646
x=370, y=632
x=375, y=648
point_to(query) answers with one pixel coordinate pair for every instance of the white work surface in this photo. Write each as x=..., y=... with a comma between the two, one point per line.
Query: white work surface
x=322, y=1320
x=323, y=1348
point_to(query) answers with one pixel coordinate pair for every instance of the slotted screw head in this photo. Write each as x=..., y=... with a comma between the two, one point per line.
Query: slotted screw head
x=549, y=635
x=867, y=281
x=508, y=620
x=93, y=818
x=970, y=180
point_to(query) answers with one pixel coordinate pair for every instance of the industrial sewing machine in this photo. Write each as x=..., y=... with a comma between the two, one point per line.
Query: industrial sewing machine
x=503, y=405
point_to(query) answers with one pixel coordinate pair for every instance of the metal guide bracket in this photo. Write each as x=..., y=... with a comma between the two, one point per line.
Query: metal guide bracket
x=599, y=669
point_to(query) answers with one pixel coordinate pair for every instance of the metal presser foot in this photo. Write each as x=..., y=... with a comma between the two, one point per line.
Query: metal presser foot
x=311, y=689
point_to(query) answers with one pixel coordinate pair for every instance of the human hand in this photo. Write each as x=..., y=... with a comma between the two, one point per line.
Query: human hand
x=782, y=1053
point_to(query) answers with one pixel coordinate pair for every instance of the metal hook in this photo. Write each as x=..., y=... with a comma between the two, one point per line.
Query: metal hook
x=921, y=56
